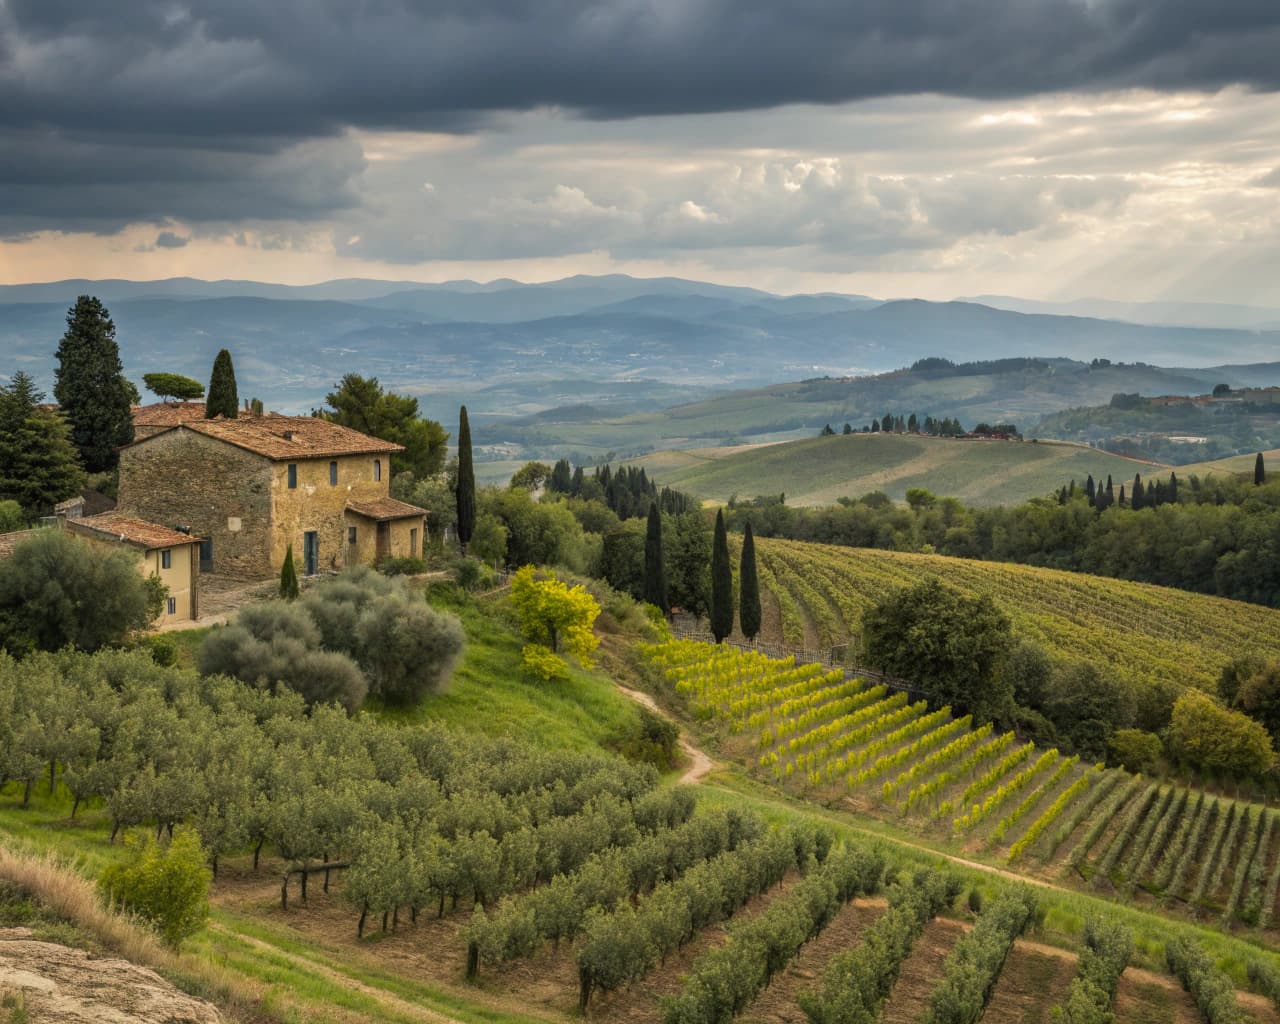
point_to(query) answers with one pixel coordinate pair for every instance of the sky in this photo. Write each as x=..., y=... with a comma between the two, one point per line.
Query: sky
x=1053, y=149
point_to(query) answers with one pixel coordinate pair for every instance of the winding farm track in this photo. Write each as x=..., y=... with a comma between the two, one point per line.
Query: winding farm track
x=700, y=762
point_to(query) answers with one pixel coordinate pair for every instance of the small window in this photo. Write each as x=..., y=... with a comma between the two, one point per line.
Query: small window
x=351, y=535
x=333, y=474
x=173, y=603
x=377, y=469
x=166, y=559
x=413, y=543
x=293, y=475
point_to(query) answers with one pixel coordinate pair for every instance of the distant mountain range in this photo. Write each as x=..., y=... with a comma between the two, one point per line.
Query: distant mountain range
x=510, y=348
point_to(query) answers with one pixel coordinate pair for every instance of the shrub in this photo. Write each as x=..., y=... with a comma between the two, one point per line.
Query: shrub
x=1212, y=990
x=164, y=650
x=407, y=649
x=539, y=662
x=57, y=591
x=654, y=739
x=1212, y=738
x=11, y=516
x=165, y=885
x=1136, y=750
x=403, y=566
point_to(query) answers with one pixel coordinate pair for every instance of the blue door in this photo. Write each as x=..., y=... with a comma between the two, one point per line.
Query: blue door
x=310, y=553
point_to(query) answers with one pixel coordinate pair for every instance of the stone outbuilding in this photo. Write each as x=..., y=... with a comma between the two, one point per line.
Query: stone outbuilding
x=254, y=486
x=172, y=556
x=158, y=416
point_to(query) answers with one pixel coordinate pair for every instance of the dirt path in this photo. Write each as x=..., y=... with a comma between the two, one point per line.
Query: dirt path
x=700, y=763
x=389, y=1001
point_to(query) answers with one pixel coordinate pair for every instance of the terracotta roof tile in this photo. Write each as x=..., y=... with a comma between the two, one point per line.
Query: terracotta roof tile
x=385, y=508
x=285, y=438
x=166, y=414
x=137, y=532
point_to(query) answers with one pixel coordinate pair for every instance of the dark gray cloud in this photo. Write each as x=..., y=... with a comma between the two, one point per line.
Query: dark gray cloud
x=218, y=112
x=171, y=240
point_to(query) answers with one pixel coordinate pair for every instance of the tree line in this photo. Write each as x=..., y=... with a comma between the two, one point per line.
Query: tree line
x=1211, y=535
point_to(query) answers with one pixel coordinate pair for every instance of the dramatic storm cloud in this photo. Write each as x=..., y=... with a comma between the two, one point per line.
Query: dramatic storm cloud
x=913, y=144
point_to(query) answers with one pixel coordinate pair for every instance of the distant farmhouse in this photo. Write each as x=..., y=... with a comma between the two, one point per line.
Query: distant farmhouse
x=252, y=487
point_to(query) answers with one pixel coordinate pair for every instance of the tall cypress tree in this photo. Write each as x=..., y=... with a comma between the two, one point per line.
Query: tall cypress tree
x=655, y=568
x=721, y=582
x=1138, y=495
x=288, y=576
x=1173, y=488
x=1259, y=471
x=749, y=616
x=1089, y=489
x=90, y=385
x=222, y=399
x=466, y=483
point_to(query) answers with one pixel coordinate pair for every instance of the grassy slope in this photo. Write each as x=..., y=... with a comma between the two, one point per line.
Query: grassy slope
x=1234, y=464
x=1149, y=631
x=818, y=470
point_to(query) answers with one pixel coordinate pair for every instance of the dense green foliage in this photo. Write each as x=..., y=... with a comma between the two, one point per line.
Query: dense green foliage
x=362, y=404
x=1216, y=538
x=92, y=392
x=975, y=961
x=655, y=569
x=465, y=489
x=948, y=645
x=360, y=633
x=1108, y=946
x=1212, y=990
x=288, y=588
x=39, y=466
x=173, y=385
x=57, y=590
x=223, y=399
x=721, y=582
x=166, y=885
x=749, y=614
x=555, y=619
x=856, y=983
x=725, y=979
x=1212, y=738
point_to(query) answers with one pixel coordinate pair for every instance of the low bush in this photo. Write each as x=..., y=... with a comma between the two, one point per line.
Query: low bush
x=165, y=885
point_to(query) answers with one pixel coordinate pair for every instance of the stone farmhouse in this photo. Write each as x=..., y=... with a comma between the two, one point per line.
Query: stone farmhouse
x=252, y=487
x=168, y=554
x=152, y=419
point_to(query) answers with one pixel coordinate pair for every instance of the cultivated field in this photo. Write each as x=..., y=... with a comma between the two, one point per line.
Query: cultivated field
x=816, y=595
x=818, y=470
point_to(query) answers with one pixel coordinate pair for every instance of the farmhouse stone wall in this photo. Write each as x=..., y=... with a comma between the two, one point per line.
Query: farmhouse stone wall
x=219, y=491
x=316, y=504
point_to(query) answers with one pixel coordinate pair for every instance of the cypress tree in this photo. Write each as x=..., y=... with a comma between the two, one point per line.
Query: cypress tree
x=1173, y=488
x=1138, y=496
x=222, y=399
x=1090, y=490
x=90, y=385
x=655, y=569
x=1122, y=495
x=721, y=582
x=1259, y=471
x=288, y=576
x=466, y=483
x=748, y=587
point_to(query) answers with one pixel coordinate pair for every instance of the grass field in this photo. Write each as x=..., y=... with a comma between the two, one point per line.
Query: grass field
x=1235, y=464
x=818, y=470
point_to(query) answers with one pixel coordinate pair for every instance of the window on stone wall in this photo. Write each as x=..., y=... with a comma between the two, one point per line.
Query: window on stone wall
x=377, y=469
x=413, y=543
x=351, y=535
x=166, y=559
x=172, y=606
x=293, y=475
x=333, y=474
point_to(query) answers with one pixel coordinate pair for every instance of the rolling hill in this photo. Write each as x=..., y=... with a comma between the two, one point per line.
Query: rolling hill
x=818, y=470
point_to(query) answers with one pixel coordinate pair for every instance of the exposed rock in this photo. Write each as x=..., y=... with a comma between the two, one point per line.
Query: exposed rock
x=62, y=985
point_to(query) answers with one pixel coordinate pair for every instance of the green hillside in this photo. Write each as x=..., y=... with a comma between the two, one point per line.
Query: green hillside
x=1235, y=464
x=818, y=470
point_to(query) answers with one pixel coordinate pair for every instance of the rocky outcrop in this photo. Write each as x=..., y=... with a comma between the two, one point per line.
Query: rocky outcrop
x=61, y=985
